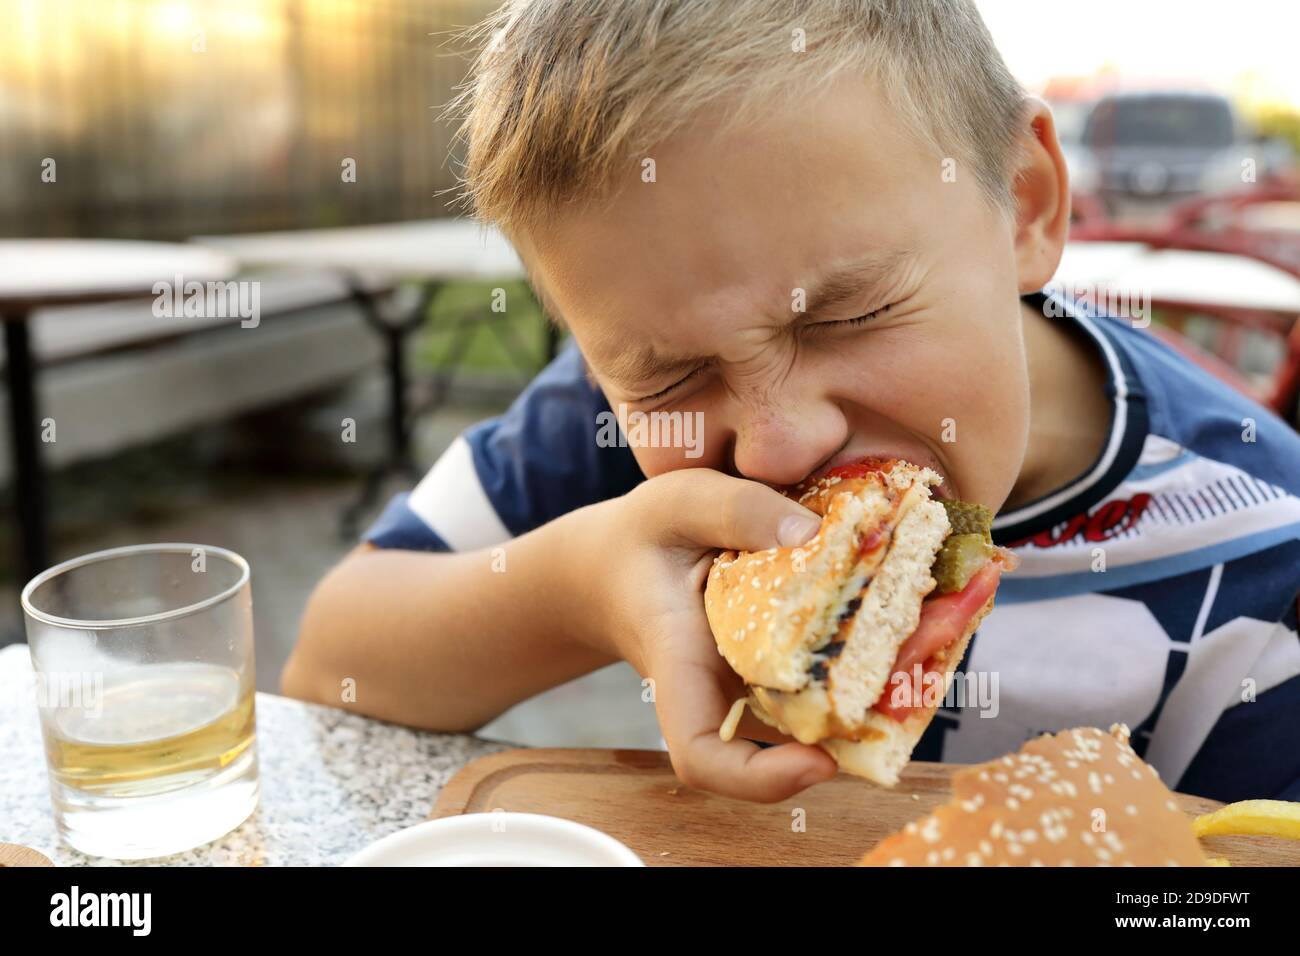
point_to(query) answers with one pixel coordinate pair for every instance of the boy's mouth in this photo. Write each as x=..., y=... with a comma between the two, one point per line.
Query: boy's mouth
x=919, y=458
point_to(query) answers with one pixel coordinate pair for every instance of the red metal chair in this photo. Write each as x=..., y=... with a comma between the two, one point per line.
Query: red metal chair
x=1215, y=224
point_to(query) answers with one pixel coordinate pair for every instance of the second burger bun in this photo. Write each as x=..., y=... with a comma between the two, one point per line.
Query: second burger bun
x=1081, y=797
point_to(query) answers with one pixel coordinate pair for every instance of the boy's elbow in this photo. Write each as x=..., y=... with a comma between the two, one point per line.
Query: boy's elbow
x=306, y=674
x=302, y=677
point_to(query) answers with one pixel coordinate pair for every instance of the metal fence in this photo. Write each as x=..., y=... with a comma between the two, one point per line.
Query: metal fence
x=167, y=118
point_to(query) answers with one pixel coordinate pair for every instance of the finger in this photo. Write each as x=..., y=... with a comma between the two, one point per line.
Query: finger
x=751, y=728
x=713, y=510
x=691, y=706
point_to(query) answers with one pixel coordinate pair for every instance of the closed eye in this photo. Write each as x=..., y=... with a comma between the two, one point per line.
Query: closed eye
x=662, y=393
x=856, y=320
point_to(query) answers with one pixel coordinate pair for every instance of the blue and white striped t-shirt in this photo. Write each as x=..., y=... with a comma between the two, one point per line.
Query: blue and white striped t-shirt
x=1158, y=590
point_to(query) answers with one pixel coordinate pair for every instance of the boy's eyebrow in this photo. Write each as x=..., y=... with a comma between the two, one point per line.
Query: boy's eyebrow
x=844, y=283
x=836, y=286
x=632, y=366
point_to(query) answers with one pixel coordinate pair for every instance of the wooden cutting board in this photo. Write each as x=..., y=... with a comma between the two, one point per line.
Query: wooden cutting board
x=634, y=796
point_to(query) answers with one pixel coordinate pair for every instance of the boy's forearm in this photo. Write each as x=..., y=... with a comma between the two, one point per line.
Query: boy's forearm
x=447, y=641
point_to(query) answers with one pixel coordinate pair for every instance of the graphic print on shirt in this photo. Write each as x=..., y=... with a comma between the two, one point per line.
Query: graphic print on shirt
x=1188, y=546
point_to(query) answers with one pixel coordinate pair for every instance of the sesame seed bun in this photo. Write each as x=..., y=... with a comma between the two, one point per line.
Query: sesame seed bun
x=1077, y=798
x=858, y=585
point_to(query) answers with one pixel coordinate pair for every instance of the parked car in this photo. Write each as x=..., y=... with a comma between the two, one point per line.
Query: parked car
x=1165, y=144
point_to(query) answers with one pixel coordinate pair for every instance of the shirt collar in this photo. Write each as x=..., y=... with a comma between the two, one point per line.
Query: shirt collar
x=1124, y=441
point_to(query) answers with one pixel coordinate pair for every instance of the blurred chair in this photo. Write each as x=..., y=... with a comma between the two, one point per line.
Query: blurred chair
x=1234, y=257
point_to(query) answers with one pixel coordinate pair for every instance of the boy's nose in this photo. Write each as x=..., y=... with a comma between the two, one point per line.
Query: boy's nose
x=780, y=446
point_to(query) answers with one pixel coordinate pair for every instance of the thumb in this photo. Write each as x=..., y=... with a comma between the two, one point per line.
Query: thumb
x=707, y=509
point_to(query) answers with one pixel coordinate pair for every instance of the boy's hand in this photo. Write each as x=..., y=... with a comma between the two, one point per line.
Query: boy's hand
x=648, y=558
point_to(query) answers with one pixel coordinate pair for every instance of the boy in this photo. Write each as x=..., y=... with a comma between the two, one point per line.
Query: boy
x=821, y=231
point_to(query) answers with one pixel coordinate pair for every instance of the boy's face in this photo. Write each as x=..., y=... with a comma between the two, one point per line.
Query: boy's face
x=683, y=296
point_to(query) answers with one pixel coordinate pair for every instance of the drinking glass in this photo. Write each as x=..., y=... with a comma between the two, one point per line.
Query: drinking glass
x=145, y=684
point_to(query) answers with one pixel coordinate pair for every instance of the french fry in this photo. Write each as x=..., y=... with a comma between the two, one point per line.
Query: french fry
x=1216, y=861
x=1255, y=817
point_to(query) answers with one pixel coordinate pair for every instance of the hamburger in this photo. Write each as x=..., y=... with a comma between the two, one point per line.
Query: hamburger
x=1077, y=798
x=850, y=640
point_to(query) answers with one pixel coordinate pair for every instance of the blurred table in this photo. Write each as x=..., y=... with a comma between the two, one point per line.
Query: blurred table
x=45, y=272
x=1181, y=276
x=332, y=782
x=435, y=250
x=374, y=259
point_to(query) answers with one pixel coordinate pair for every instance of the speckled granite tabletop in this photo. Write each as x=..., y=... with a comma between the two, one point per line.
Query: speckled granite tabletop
x=332, y=782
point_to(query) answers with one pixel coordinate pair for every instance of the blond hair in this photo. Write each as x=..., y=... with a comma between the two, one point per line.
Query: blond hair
x=567, y=95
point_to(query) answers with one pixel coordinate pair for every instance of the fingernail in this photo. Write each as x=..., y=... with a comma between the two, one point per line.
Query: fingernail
x=796, y=529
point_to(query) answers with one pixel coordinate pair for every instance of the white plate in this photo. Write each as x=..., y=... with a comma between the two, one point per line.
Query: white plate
x=497, y=839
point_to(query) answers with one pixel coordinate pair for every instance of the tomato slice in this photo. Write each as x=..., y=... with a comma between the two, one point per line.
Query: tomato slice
x=863, y=468
x=943, y=620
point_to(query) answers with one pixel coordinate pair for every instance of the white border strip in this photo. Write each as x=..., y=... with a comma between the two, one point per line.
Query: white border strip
x=450, y=499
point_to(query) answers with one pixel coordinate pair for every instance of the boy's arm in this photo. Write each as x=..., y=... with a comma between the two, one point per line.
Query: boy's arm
x=423, y=617
x=442, y=641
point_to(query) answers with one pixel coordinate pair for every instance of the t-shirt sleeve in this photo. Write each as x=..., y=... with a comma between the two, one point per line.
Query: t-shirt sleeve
x=507, y=475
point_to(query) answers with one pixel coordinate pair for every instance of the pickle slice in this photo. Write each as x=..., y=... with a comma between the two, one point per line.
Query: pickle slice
x=957, y=561
x=966, y=518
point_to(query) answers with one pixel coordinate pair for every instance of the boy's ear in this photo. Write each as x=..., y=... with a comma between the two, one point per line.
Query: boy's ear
x=1042, y=194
